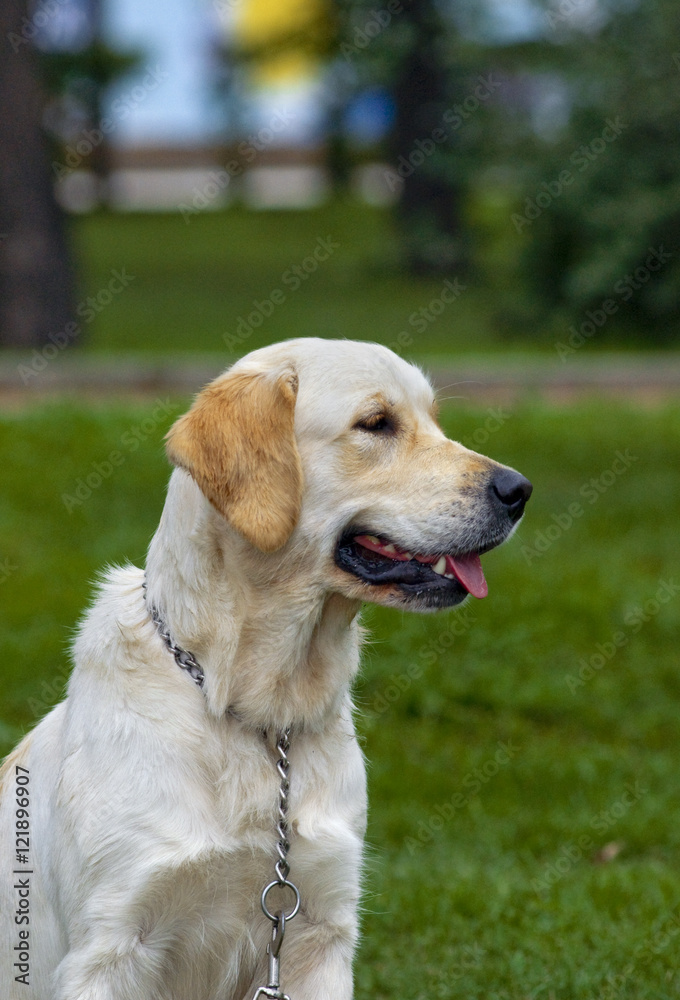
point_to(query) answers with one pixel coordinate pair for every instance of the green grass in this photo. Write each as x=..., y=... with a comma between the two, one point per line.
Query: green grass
x=504, y=893
x=193, y=284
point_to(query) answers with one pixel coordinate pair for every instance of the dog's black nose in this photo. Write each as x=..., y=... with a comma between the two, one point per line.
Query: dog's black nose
x=512, y=490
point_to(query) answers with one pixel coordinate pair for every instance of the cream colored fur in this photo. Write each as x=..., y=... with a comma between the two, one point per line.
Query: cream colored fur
x=153, y=802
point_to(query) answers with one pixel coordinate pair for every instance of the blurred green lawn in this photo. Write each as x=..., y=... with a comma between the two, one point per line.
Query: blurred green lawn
x=487, y=876
x=252, y=278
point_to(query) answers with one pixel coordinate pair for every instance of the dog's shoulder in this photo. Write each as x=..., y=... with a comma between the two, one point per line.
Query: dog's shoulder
x=117, y=617
x=123, y=674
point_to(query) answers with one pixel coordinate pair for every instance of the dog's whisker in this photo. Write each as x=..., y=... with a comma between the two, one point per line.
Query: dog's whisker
x=452, y=385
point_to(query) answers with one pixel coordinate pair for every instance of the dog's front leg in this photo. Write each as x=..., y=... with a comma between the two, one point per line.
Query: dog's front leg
x=315, y=960
x=98, y=973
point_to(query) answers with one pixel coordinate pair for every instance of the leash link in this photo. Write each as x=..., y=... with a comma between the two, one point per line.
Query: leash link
x=273, y=988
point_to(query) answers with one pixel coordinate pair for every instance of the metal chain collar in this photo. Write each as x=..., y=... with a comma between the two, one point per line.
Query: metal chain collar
x=272, y=990
x=184, y=659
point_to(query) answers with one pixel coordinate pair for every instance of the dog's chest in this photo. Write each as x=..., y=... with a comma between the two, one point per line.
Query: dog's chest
x=213, y=898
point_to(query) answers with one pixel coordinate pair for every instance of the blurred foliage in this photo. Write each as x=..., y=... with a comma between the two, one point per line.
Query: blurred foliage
x=75, y=82
x=572, y=133
x=575, y=130
x=95, y=66
x=621, y=81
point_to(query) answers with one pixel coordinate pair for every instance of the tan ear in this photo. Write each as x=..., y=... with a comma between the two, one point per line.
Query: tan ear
x=238, y=444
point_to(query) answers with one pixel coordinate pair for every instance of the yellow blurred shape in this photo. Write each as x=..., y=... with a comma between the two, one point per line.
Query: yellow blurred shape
x=286, y=32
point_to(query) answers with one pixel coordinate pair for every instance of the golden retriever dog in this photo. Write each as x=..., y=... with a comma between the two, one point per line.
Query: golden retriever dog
x=138, y=819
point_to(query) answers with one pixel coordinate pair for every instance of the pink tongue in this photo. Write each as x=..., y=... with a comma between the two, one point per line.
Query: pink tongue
x=468, y=570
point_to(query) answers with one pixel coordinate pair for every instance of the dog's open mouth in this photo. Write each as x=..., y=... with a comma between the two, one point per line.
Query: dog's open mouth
x=378, y=561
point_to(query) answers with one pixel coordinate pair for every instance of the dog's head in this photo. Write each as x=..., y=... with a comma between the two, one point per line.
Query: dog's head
x=330, y=452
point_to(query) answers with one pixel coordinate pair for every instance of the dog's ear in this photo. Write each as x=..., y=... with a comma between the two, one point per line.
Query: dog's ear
x=238, y=444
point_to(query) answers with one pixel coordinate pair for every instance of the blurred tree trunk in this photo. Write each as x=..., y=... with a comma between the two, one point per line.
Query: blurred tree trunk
x=429, y=211
x=36, y=277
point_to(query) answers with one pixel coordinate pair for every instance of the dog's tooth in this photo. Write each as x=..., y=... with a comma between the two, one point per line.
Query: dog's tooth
x=372, y=538
x=440, y=566
x=449, y=576
x=408, y=555
x=389, y=548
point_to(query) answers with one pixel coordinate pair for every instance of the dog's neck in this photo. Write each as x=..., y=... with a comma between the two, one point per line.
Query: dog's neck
x=276, y=648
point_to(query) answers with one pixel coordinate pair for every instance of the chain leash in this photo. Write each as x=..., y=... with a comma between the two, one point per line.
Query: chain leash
x=282, y=868
x=187, y=661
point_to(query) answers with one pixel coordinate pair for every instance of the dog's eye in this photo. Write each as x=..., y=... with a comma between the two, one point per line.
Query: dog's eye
x=378, y=422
